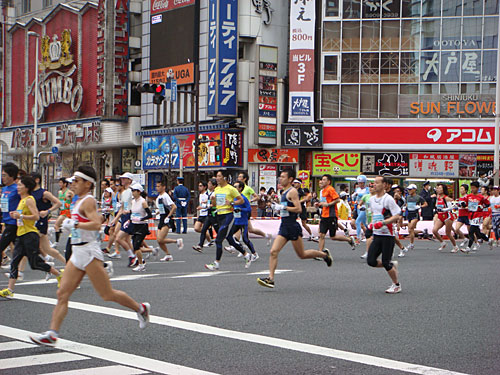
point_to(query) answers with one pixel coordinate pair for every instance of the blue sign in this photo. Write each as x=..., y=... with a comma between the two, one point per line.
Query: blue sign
x=222, y=57
x=55, y=150
x=156, y=152
x=301, y=105
x=153, y=178
x=173, y=90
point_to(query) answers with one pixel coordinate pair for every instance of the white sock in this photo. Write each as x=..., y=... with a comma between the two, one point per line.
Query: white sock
x=247, y=257
x=130, y=253
x=216, y=264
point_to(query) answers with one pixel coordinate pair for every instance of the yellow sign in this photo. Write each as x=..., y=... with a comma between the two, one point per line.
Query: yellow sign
x=305, y=177
x=336, y=163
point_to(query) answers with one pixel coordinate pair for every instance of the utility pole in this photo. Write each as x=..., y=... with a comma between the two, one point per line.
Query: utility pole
x=35, y=119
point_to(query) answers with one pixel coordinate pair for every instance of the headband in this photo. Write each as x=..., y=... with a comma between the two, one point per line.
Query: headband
x=84, y=176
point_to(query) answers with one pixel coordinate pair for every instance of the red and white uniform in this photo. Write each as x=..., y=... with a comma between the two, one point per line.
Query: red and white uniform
x=462, y=211
x=476, y=204
x=442, y=204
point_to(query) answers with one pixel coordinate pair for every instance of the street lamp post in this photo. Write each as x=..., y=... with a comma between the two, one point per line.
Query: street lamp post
x=35, y=115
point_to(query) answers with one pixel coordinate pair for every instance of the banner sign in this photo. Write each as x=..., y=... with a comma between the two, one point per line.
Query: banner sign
x=301, y=63
x=232, y=154
x=302, y=135
x=467, y=165
x=305, y=177
x=158, y=6
x=222, y=57
x=268, y=88
x=336, y=163
x=273, y=155
x=484, y=165
x=267, y=176
x=385, y=164
x=434, y=165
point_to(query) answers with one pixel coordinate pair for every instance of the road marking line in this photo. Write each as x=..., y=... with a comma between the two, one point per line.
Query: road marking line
x=199, y=274
x=107, y=370
x=266, y=272
x=109, y=355
x=253, y=338
x=39, y=359
x=14, y=345
x=134, y=277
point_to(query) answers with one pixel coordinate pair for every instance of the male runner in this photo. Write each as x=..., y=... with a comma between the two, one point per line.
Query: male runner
x=495, y=213
x=290, y=230
x=475, y=203
x=167, y=208
x=303, y=199
x=9, y=200
x=211, y=221
x=181, y=199
x=87, y=259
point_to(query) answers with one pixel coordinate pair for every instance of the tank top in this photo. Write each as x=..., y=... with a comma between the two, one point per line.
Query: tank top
x=138, y=211
x=41, y=204
x=25, y=226
x=287, y=217
x=62, y=196
x=82, y=235
x=441, y=203
x=106, y=205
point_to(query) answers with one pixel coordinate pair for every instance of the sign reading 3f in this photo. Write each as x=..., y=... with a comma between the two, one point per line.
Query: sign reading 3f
x=222, y=57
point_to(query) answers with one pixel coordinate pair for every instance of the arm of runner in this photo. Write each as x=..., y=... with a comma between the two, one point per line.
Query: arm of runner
x=149, y=215
x=56, y=203
x=117, y=217
x=90, y=211
x=293, y=196
x=34, y=211
x=238, y=200
x=254, y=197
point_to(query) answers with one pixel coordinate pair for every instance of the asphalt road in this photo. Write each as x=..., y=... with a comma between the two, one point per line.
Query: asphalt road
x=446, y=318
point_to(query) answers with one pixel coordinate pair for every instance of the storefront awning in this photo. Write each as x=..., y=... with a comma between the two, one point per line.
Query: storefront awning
x=184, y=129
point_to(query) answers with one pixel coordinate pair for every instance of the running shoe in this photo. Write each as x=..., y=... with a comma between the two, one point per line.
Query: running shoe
x=314, y=238
x=167, y=258
x=115, y=255
x=212, y=266
x=108, y=265
x=48, y=338
x=255, y=257
x=401, y=254
x=144, y=316
x=490, y=243
x=393, y=289
x=132, y=261
x=155, y=251
x=475, y=247
x=6, y=293
x=211, y=243
x=198, y=248
x=464, y=243
x=346, y=232
x=269, y=237
x=442, y=247
x=454, y=250
x=48, y=259
x=465, y=250
x=239, y=255
x=105, y=250
x=352, y=243
x=267, y=282
x=230, y=249
x=140, y=268
x=408, y=247
x=6, y=261
x=59, y=277
x=328, y=259
x=364, y=256
x=248, y=261
x=180, y=244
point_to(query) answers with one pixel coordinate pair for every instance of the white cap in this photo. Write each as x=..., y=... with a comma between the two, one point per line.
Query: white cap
x=127, y=175
x=394, y=186
x=137, y=187
x=343, y=194
x=109, y=190
x=361, y=178
x=70, y=180
x=412, y=186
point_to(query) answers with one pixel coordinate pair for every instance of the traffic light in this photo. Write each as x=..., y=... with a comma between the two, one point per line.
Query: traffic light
x=159, y=94
x=218, y=152
x=146, y=87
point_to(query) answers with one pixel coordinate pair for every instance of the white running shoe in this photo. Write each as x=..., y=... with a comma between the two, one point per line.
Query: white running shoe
x=255, y=257
x=207, y=244
x=140, y=268
x=48, y=259
x=393, y=289
x=364, y=256
x=156, y=250
x=442, y=247
x=401, y=254
x=269, y=237
x=144, y=316
x=230, y=249
x=212, y=266
x=464, y=243
x=240, y=255
x=248, y=261
x=115, y=255
x=109, y=268
x=475, y=247
x=167, y=258
x=454, y=250
x=180, y=244
x=465, y=250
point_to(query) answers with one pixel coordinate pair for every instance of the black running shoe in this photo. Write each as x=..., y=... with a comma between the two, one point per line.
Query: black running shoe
x=328, y=259
x=267, y=282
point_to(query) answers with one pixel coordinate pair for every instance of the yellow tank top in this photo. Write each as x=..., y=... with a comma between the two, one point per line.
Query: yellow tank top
x=27, y=225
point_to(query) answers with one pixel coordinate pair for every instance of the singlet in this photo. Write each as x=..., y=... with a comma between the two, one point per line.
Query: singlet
x=382, y=208
x=164, y=204
x=495, y=205
x=204, y=204
x=106, y=205
x=413, y=201
x=126, y=199
x=138, y=212
x=115, y=202
x=82, y=235
x=441, y=203
x=62, y=196
x=287, y=217
x=25, y=226
x=41, y=204
x=462, y=211
x=10, y=200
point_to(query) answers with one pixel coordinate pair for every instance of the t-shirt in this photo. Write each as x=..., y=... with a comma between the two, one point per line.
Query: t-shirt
x=248, y=192
x=204, y=204
x=126, y=199
x=475, y=213
x=495, y=205
x=242, y=212
x=222, y=194
x=25, y=226
x=382, y=208
x=9, y=200
x=413, y=202
x=164, y=203
x=328, y=195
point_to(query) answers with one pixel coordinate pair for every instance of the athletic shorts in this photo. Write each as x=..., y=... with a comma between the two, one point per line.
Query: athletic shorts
x=170, y=223
x=82, y=255
x=66, y=213
x=303, y=214
x=291, y=231
x=464, y=219
x=126, y=225
x=328, y=224
x=412, y=215
x=42, y=225
x=202, y=219
x=443, y=216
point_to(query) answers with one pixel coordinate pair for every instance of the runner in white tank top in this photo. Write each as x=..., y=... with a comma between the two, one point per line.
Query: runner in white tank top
x=140, y=214
x=85, y=224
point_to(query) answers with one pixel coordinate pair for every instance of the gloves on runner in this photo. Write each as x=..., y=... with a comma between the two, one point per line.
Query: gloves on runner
x=277, y=207
x=69, y=224
x=376, y=225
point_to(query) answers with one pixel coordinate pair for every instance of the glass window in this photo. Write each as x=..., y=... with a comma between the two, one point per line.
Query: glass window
x=407, y=94
x=429, y=66
x=473, y=7
x=330, y=101
x=432, y=8
x=390, y=9
x=488, y=88
x=410, y=34
x=469, y=88
x=370, y=36
x=389, y=101
x=331, y=8
x=371, y=9
x=351, y=9
x=47, y=3
x=489, y=66
x=471, y=66
x=350, y=67
x=452, y=8
x=350, y=36
x=331, y=36
x=429, y=94
x=390, y=36
x=450, y=66
x=370, y=67
x=409, y=67
x=369, y=101
x=471, y=36
x=451, y=34
x=430, y=34
x=410, y=8
x=349, y=101
x=331, y=68
x=448, y=89
x=26, y=6
x=389, y=67
x=490, y=39
x=490, y=6
x=488, y=95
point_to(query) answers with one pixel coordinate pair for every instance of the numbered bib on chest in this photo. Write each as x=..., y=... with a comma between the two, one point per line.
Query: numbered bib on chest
x=322, y=199
x=284, y=212
x=5, y=204
x=220, y=199
x=76, y=236
x=136, y=217
x=473, y=206
x=125, y=206
x=412, y=206
x=377, y=218
x=161, y=208
x=19, y=221
x=476, y=221
x=237, y=215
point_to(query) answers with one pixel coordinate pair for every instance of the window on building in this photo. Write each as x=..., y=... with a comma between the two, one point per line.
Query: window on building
x=451, y=34
x=370, y=36
x=452, y=8
x=473, y=7
x=26, y=6
x=410, y=8
x=47, y=3
x=389, y=101
x=491, y=6
x=390, y=9
x=371, y=9
x=410, y=34
x=330, y=68
x=407, y=94
x=471, y=34
x=331, y=36
x=349, y=101
x=370, y=67
x=369, y=101
x=431, y=34
x=352, y=9
x=330, y=101
x=490, y=38
x=331, y=9
x=350, y=36
x=450, y=66
x=390, y=36
x=389, y=67
x=432, y=8
x=489, y=66
x=350, y=68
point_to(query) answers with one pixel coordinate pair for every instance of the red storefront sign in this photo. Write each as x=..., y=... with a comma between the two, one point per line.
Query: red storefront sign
x=273, y=155
x=158, y=6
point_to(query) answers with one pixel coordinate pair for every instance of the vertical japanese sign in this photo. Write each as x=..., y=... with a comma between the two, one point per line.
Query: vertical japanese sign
x=120, y=96
x=233, y=148
x=301, y=64
x=222, y=57
x=268, y=90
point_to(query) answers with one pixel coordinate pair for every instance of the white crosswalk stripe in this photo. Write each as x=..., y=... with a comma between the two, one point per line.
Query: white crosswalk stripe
x=39, y=359
x=106, y=370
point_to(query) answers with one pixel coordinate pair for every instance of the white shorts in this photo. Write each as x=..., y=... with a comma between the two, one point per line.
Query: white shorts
x=84, y=254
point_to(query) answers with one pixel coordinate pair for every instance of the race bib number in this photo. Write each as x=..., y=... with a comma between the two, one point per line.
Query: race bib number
x=136, y=217
x=20, y=221
x=284, y=212
x=237, y=215
x=220, y=199
x=5, y=203
x=125, y=206
x=76, y=236
x=161, y=208
x=412, y=206
x=322, y=199
x=476, y=221
x=473, y=206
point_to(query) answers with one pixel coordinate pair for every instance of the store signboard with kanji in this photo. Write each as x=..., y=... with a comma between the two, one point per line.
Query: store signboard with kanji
x=434, y=165
x=273, y=155
x=336, y=163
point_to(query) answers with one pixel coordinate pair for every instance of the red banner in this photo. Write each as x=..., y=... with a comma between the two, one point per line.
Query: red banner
x=159, y=6
x=273, y=155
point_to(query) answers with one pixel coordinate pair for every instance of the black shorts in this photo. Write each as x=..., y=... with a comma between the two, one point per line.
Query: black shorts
x=9, y=235
x=464, y=219
x=328, y=224
x=202, y=219
x=291, y=231
x=412, y=215
x=42, y=225
x=140, y=231
x=303, y=214
x=162, y=223
x=127, y=228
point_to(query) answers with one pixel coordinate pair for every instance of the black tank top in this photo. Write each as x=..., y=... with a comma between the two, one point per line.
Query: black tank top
x=287, y=217
x=41, y=204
